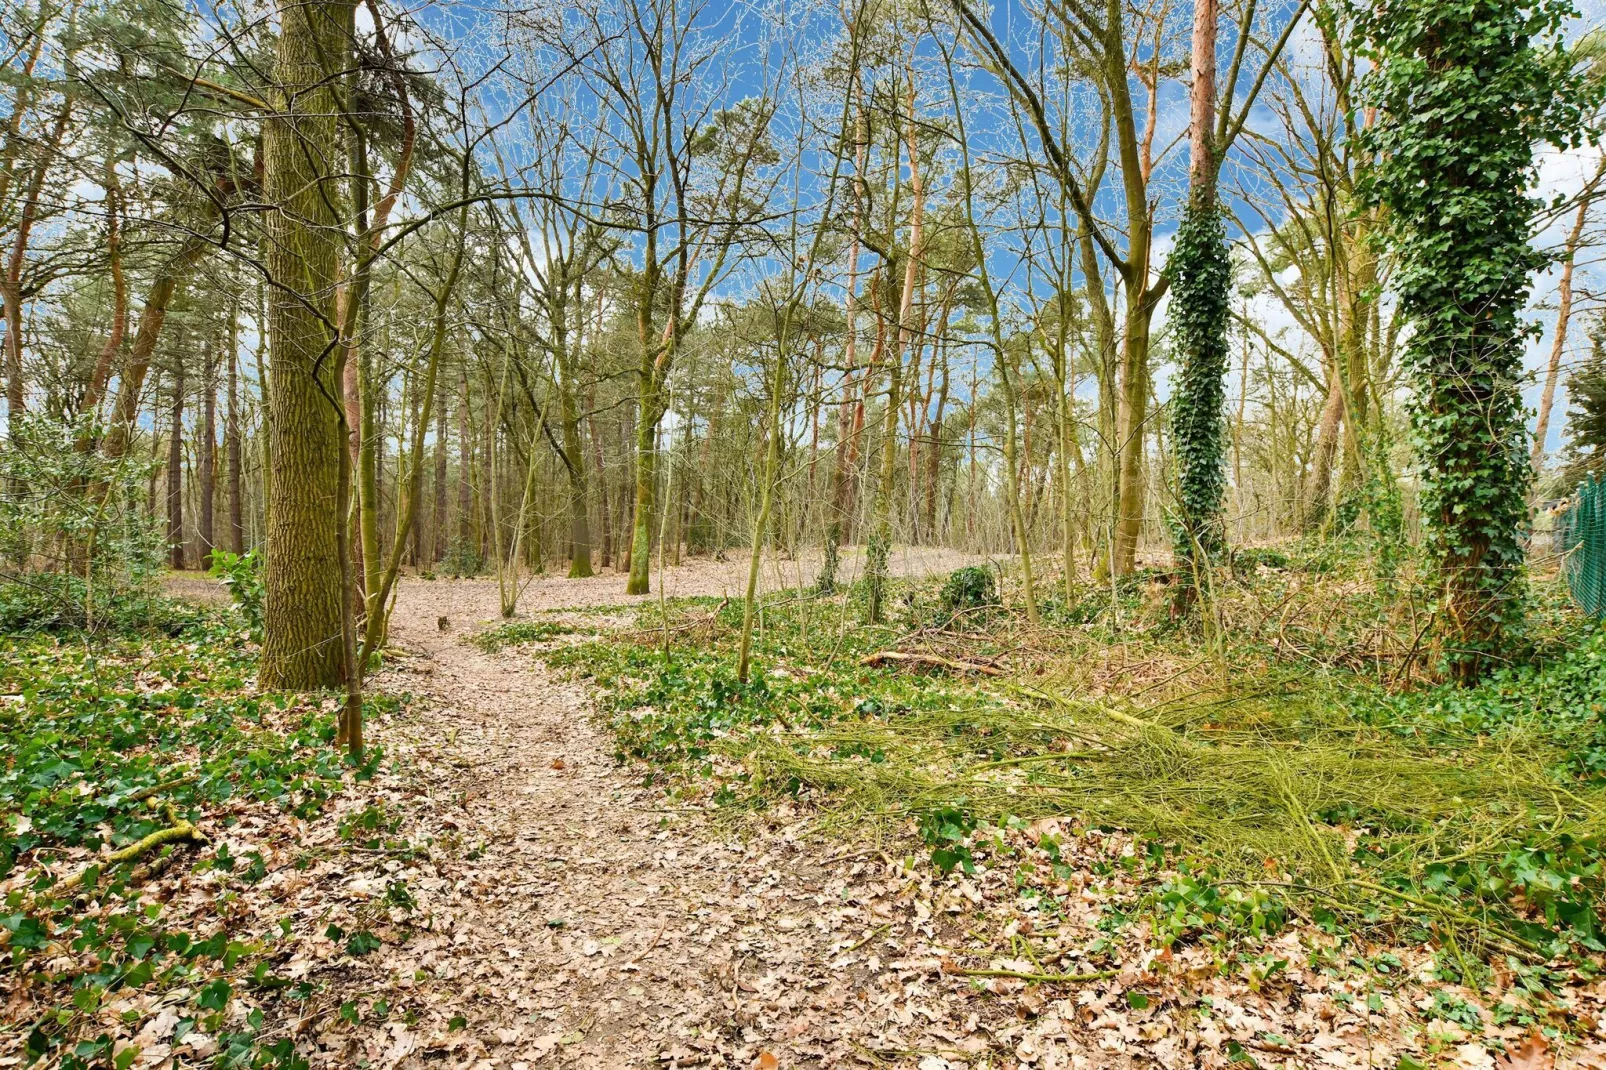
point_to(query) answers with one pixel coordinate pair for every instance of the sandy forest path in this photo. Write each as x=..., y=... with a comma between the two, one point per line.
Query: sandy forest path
x=583, y=922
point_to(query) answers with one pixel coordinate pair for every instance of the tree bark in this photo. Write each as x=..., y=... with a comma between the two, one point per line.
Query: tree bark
x=465, y=466
x=1564, y=314
x=95, y=391
x=11, y=286
x=175, y=473
x=438, y=529
x=602, y=480
x=206, y=459
x=231, y=437
x=303, y=646
x=151, y=318
x=876, y=570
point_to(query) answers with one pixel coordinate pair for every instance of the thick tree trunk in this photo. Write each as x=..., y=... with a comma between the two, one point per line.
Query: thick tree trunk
x=1131, y=428
x=303, y=646
x=648, y=414
x=1313, y=511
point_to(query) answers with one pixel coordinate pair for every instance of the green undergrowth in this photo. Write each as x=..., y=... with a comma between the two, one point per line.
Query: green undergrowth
x=520, y=632
x=1471, y=818
x=107, y=744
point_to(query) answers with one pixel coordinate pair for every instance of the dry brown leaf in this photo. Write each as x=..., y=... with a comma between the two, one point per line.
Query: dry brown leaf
x=767, y=1061
x=1535, y=1054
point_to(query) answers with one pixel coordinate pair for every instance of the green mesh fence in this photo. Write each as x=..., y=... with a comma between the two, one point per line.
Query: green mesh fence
x=1582, y=533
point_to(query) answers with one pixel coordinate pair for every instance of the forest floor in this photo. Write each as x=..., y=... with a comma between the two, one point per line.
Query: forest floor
x=597, y=922
x=821, y=870
x=599, y=926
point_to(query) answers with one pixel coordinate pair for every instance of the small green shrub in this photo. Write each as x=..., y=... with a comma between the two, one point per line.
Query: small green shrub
x=971, y=587
x=945, y=830
x=242, y=574
x=78, y=550
x=1191, y=907
x=524, y=631
x=462, y=560
x=1246, y=560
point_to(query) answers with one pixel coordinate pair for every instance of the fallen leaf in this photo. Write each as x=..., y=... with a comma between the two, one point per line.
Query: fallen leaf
x=1535, y=1054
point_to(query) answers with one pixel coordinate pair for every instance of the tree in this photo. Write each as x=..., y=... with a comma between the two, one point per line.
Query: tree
x=1586, y=415
x=302, y=645
x=1201, y=280
x=1464, y=89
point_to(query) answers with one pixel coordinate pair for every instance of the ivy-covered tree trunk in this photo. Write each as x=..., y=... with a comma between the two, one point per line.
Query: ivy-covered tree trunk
x=1464, y=89
x=1201, y=280
x=302, y=645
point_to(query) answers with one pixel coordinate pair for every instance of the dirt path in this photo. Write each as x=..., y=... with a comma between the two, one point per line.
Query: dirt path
x=585, y=923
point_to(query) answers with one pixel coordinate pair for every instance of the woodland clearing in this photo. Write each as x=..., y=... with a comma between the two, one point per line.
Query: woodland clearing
x=529, y=899
x=1074, y=557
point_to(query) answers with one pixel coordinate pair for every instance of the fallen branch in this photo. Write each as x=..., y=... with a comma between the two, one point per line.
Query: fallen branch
x=1022, y=975
x=179, y=830
x=899, y=657
x=163, y=788
x=877, y=931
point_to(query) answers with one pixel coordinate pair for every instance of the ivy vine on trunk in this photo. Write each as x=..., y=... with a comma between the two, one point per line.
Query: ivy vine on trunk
x=1463, y=90
x=1201, y=287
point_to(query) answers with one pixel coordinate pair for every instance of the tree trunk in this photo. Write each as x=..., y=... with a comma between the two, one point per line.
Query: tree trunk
x=1313, y=512
x=574, y=462
x=231, y=436
x=11, y=287
x=438, y=528
x=175, y=474
x=206, y=459
x=465, y=467
x=101, y=376
x=151, y=318
x=303, y=646
x=876, y=565
x=648, y=413
x=1201, y=274
x=606, y=502
x=1564, y=315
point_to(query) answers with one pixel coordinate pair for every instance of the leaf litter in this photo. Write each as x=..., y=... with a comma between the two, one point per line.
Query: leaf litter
x=534, y=903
